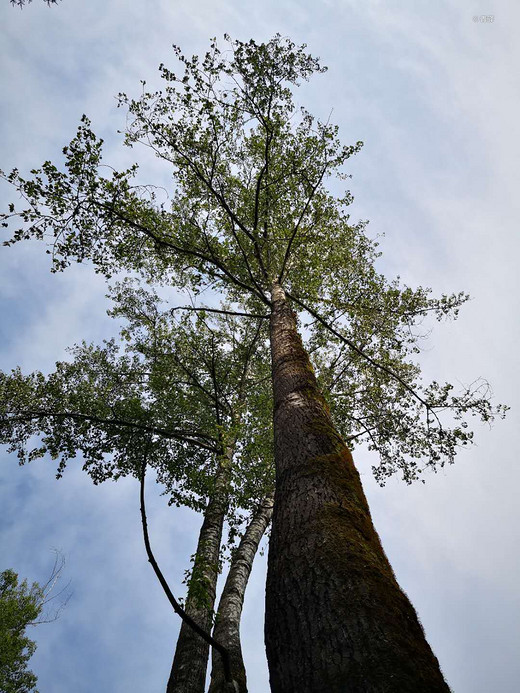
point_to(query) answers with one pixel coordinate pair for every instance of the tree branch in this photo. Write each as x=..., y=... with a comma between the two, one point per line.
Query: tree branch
x=297, y=225
x=359, y=351
x=220, y=311
x=224, y=653
x=180, y=434
x=212, y=259
x=217, y=194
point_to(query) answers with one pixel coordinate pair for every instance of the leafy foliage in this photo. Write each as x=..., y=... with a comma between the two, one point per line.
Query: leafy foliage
x=250, y=206
x=20, y=606
x=413, y=427
x=178, y=392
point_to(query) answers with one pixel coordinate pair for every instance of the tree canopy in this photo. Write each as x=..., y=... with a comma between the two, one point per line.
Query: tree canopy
x=250, y=204
x=252, y=216
x=176, y=387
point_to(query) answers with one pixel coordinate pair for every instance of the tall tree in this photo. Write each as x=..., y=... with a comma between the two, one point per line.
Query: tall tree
x=252, y=217
x=221, y=361
x=180, y=383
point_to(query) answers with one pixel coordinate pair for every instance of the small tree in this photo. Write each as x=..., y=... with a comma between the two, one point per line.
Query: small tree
x=22, y=606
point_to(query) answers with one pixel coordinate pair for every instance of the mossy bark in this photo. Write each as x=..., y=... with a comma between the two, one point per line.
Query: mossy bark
x=190, y=662
x=227, y=624
x=336, y=619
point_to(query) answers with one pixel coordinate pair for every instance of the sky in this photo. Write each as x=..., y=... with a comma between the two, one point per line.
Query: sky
x=433, y=91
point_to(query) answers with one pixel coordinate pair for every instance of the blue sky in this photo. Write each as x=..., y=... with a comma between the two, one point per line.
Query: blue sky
x=435, y=96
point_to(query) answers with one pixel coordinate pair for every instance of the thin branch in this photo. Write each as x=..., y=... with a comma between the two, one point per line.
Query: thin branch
x=366, y=431
x=191, y=374
x=359, y=351
x=221, y=311
x=257, y=196
x=244, y=229
x=349, y=439
x=218, y=195
x=244, y=256
x=297, y=225
x=180, y=434
x=201, y=355
x=213, y=260
x=247, y=360
x=47, y=589
x=224, y=653
x=214, y=383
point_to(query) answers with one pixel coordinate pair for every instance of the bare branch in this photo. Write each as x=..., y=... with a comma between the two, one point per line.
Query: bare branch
x=48, y=588
x=224, y=653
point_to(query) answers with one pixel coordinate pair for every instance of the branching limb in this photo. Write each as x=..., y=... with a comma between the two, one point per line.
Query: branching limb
x=298, y=223
x=48, y=593
x=363, y=354
x=221, y=311
x=182, y=435
x=169, y=245
x=224, y=653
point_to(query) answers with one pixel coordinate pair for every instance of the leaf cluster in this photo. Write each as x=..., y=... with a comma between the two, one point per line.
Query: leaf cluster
x=250, y=205
x=20, y=606
x=364, y=344
x=177, y=391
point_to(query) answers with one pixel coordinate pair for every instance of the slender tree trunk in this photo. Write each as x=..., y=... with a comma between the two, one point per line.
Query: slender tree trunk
x=227, y=624
x=336, y=619
x=188, y=672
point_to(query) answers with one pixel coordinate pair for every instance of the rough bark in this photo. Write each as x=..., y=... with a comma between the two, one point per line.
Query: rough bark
x=190, y=662
x=336, y=619
x=227, y=624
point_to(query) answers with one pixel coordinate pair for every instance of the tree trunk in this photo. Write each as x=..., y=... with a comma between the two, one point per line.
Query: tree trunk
x=227, y=624
x=336, y=619
x=188, y=672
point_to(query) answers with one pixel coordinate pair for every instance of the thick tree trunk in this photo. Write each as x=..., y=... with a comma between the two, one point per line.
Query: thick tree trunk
x=188, y=672
x=227, y=624
x=336, y=619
